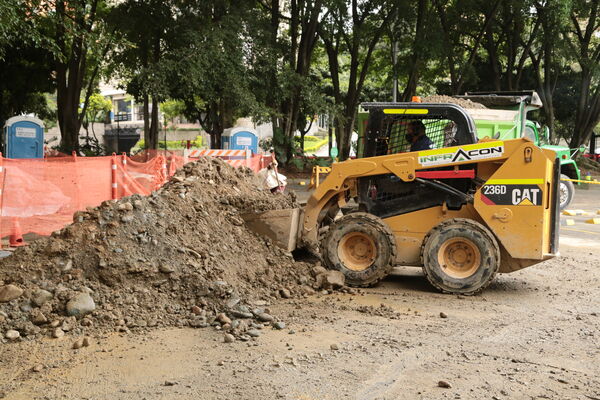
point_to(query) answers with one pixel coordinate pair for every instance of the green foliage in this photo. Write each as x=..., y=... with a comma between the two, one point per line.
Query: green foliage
x=214, y=61
x=311, y=143
x=174, y=144
x=24, y=78
x=172, y=109
x=98, y=108
x=314, y=146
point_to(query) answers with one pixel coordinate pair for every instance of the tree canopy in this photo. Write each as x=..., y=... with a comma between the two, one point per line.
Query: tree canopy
x=286, y=61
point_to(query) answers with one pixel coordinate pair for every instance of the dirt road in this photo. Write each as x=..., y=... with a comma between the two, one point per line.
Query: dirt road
x=534, y=334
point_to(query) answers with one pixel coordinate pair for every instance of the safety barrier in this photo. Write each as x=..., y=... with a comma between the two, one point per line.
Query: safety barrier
x=41, y=195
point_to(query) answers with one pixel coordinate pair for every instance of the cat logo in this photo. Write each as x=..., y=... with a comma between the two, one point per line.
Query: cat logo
x=511, y=192
x=525, y=196
x=472, y=152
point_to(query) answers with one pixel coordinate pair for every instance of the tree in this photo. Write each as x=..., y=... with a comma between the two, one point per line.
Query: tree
x=210, y=62
x=463, y=25
x=142, y=63
x=24, y=78
x=283, y=42
x=508, y=42
x=350, y=36
x=584, y=41
x=75, y=33
x=545, y=55
x=172, y=109
x=97, y=109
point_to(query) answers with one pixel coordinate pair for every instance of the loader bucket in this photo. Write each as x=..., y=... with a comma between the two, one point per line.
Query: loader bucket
x=281, y=226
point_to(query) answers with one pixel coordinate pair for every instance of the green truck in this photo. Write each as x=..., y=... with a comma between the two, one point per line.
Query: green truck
x=506, y=118
x=503, y=117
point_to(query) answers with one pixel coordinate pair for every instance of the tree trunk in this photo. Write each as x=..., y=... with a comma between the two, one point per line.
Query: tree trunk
x=415, y=61
x=154, y=126
x=146, y=120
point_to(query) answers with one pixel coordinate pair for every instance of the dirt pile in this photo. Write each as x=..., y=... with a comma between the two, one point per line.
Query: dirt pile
x=179, y=257
x=438, y=98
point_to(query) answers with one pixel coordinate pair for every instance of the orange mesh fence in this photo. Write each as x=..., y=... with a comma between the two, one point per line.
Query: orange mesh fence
x=41, y=195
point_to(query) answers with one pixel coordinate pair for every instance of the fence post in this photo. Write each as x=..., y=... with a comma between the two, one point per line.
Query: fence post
x=78, y=201
x=2, y=176
x=125, y=175
x=114, y=185
x=164, y=168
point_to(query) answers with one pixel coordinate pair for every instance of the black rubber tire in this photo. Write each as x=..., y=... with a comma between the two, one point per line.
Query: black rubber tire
x=480, y=236
x=381, y=235
x=566, y=190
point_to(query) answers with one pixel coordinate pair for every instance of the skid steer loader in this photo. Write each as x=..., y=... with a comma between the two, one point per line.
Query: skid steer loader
x=462, y=210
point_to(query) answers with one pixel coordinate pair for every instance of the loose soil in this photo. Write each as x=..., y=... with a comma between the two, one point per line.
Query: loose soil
x=177, y=258
x=438, y=98
x=532, y=334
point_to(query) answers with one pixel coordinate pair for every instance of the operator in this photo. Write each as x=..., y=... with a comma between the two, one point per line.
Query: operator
x=417, y=138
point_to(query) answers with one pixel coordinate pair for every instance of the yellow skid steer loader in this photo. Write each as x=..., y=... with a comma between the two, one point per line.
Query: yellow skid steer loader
x=424, y=192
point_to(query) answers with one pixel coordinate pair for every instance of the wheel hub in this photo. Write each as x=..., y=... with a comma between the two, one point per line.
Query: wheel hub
x=357, y=251
x=564, y=193
x=459, y=257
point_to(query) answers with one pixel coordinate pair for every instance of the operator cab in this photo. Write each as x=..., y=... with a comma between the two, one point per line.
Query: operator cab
x=413, y=127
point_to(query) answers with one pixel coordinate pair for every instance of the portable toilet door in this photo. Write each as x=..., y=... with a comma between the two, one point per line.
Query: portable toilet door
x=24, y=137
x=243, y=140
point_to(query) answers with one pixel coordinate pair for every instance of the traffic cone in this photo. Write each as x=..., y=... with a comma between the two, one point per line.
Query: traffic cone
x=16, y=238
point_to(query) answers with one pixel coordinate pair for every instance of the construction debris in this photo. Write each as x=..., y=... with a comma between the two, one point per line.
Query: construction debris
x=438, y=98
x=179, y=257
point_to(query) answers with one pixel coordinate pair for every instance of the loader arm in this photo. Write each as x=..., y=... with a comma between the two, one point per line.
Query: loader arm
x=514, y=193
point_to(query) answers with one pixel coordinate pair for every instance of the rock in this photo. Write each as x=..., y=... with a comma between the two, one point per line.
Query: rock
x=55, y=324
x=58, y=333
x=127, y=218
x=196, y=310
x=444, y=384
x=334, y=346
x=127, y=206
x=264, y=317
x=37, y=317
x=331, y=280
x=279, y=325
x=86, y=341
x=9, y=292
x=285, y=293
x=166, y=269
x=319, y=270
x=41, y=296
x=254, y=333
x=228, y=338
x=77, y=344
x=80, y=305
x=242, y=314
x=170, y=383
x=67, y=265
x=443, y=315
x=37, y=368
x=223, y=319
x=12, y=334
x=336, y=279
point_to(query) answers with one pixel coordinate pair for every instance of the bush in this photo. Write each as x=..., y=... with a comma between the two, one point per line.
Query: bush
x=173, y=144
x=314, y=146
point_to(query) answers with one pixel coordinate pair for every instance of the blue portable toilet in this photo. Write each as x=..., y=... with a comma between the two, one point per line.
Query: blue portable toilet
x=24, y=137
x=240, y=139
